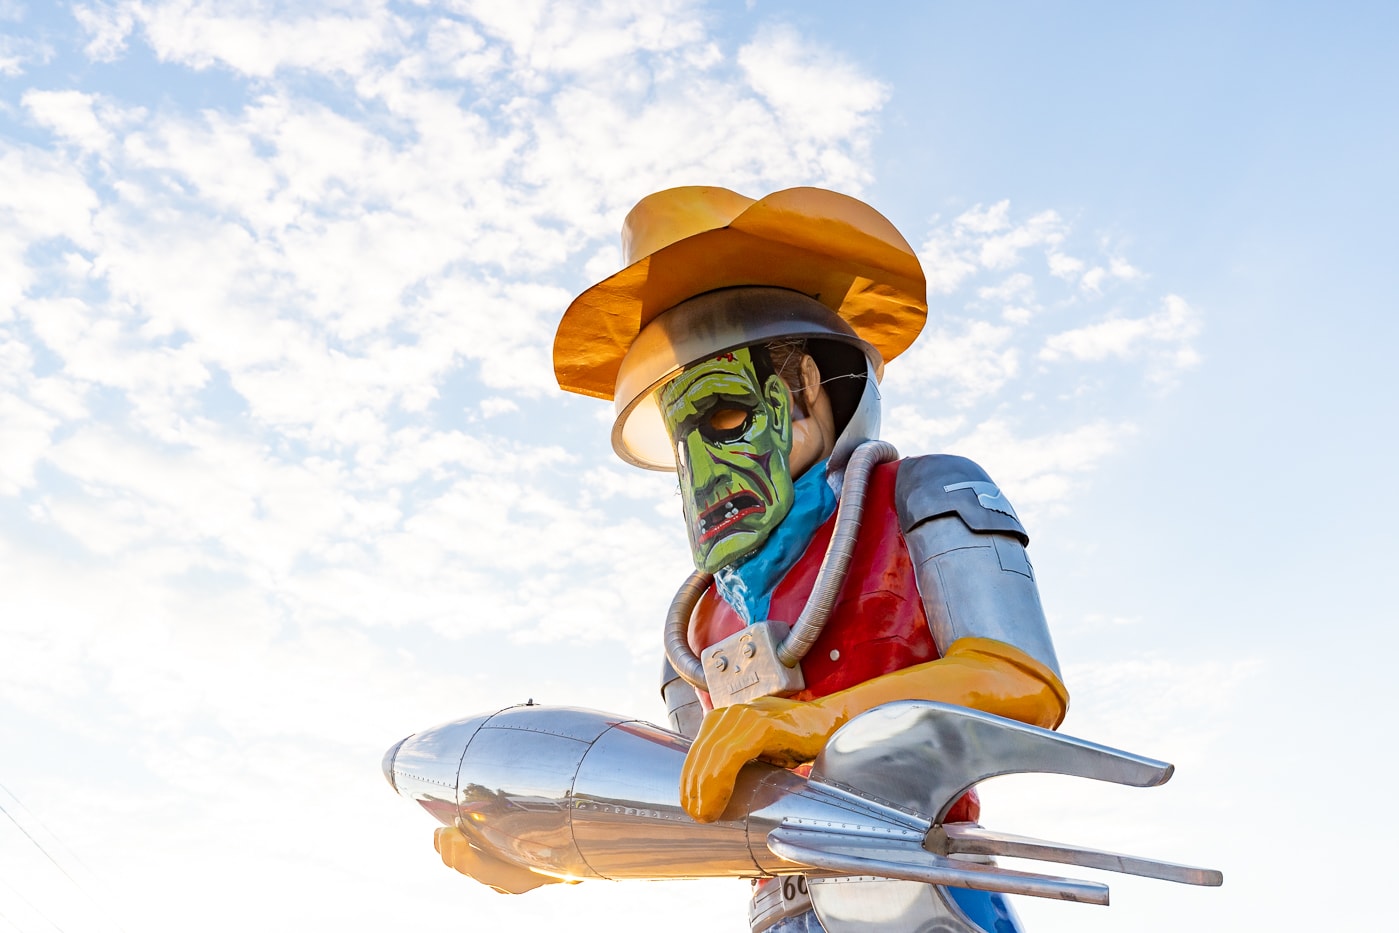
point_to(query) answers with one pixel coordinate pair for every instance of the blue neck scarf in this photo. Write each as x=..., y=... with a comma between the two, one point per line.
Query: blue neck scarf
x=747, y=585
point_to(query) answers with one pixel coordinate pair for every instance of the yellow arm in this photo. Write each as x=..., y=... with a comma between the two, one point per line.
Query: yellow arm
x=975, y=672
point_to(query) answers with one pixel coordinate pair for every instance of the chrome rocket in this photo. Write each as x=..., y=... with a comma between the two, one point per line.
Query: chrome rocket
x=580, y=794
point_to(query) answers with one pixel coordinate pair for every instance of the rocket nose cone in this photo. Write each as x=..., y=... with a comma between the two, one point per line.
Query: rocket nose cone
x=389, y=757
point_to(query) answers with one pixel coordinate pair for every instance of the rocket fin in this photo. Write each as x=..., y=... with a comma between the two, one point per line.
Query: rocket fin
x=921, y=756
x=968, y=839
x=854, y=853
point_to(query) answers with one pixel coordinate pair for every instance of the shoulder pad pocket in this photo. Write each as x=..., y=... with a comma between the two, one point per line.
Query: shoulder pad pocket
x=930, y=487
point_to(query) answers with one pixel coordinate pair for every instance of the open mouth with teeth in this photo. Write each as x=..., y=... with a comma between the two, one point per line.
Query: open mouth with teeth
x=722, y=515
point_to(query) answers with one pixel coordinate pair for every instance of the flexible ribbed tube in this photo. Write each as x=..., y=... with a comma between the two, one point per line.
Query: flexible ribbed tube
x=834, y=565
x=837, y=560
x=677, y=629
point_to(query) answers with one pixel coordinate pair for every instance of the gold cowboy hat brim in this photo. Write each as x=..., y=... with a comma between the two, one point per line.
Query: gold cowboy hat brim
x=832, y=247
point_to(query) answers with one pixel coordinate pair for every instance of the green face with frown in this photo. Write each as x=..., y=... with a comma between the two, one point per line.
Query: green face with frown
x=732, y=433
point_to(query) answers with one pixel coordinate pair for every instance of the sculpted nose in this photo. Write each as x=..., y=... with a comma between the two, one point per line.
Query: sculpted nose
x=695, y=453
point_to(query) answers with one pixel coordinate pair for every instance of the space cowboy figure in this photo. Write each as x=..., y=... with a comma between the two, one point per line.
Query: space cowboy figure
x=742, y=346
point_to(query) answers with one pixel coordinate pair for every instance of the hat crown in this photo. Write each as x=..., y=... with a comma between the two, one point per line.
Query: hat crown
x=684, y=242
x=669, y=216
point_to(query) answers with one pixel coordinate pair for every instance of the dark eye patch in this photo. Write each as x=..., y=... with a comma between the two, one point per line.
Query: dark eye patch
x=725, y=423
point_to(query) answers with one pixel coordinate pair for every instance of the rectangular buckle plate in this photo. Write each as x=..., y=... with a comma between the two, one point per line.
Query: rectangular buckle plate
x=745, y=666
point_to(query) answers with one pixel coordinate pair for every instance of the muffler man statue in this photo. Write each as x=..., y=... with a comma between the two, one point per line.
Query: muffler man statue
x=742, y=346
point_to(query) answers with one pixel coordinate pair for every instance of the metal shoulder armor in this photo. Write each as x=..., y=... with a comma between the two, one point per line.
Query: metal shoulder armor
x=968, y=549
x=681, y=702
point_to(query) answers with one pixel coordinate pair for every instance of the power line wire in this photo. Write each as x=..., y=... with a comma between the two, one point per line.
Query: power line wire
x=101, y=910
x=31, y=905
x=38, y=845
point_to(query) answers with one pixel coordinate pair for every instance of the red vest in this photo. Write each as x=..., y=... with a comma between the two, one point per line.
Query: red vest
x=877, y=625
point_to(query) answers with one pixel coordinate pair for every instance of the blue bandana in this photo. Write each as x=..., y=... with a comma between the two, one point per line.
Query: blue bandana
x=747, y=585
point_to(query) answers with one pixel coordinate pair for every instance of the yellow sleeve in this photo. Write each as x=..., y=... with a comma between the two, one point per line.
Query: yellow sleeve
x=979, y=673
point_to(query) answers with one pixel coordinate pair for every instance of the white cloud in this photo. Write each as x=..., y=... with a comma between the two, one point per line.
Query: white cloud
x=809, y=87
x=70, y=115
x=959, y=365
x=985, y=238
x=1002, y=250
x=1164, y=336
x=550, y=37
x=1039, y=471
x=43, y=202
x=495, y=406
x=108, y=25
x=273, y=293
x=252, y=37
x=1064, y=266
x=1007, y=292
x=25, y=431
x=1043, y=469
x=1123, y=697
x=946, y=264
x=282, y=461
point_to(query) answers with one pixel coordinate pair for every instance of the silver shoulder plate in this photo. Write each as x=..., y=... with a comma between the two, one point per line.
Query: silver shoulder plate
x=968, y=551
x=930, y=487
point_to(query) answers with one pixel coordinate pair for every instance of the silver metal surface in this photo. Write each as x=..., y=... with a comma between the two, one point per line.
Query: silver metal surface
x=580, y=794
x=424, y=766
x=682, y=704
x=923, y=756
x=988, y=494
x=583, y=794
x=978, y=585
x=700, y=328
x=626, y=814
x=862, y=426
x=863, y=853
x=748, y=665
x=969, y=839
x=778, y=899
x=879, y=905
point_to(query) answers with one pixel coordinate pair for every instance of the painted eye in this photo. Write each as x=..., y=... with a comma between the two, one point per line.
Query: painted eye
x=727, y=419
x=726, y=424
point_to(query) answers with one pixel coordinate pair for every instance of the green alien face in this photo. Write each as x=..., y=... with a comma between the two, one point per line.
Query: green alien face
x=732, y=432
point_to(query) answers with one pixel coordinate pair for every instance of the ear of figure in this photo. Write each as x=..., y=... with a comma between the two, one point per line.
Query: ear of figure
x=780, y=401
x=813, y=431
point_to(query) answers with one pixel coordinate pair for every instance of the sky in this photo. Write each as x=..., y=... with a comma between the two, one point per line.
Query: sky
x=284, y=474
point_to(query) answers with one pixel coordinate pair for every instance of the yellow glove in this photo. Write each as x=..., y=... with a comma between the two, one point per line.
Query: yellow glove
x=458, y=852
x=979, y=673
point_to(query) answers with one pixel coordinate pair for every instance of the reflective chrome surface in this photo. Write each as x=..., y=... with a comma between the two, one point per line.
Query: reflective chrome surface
x=980, y=586
x=424, y=766
x=862, y=426
x=682, y=705
x=923, y=756
x=778, y=899
x=969, y=839
x=867, y=853
x=585, y=794
x=878, y=905
x=582, y=794
x=677, y=628
x=988, y=494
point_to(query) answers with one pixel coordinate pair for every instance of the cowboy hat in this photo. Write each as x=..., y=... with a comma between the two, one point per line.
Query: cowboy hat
x=683, y=242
